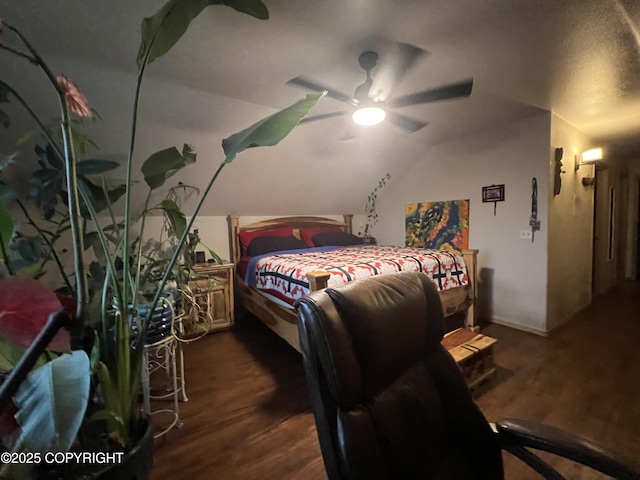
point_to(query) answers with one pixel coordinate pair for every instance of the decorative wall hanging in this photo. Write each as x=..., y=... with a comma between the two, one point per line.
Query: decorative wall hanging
x=440, y=225
x=557, y=180
x=534, y=223
x=493, y=193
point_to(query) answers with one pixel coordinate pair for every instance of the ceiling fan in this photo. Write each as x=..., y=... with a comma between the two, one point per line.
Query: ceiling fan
x=369, y=102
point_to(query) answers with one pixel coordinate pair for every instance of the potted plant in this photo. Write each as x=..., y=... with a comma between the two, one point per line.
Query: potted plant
x=103, y=382
x=370, y=211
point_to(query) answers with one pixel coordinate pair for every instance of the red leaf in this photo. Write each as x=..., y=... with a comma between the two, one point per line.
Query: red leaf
x=25, y=305
x=69, y=304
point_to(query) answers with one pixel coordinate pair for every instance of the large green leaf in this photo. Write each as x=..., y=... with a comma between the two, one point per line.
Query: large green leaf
x=10, y=354
x=174, y=216
x=47, y=157
x=163, y=30
x=95, y=166
x=96, y=193
x=271, y=130
x=165, y=163
x=52, y=401
x=6, y=230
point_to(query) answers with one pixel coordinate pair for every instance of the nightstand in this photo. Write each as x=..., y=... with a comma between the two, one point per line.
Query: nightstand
x=211, y=307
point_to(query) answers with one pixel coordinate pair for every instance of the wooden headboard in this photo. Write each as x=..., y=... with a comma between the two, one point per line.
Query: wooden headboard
x=295, y=222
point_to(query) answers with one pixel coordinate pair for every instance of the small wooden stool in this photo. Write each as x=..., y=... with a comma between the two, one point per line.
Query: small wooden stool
x=473, y=353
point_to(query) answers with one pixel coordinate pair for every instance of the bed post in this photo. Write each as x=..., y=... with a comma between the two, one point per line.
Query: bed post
x=470, y=259
x=348, y=219
x=318, y=279
x=234, y=238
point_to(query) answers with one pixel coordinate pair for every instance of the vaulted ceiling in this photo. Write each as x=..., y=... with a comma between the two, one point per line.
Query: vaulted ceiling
x=579, y=59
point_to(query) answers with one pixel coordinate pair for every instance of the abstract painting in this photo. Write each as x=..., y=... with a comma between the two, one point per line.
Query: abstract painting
x=438, y=225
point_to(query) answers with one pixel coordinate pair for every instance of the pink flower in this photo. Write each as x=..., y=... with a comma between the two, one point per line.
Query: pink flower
x=76, y=101
x=25, y=305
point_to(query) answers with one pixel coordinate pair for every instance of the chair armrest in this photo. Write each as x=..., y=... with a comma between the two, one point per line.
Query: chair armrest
x=512, y=432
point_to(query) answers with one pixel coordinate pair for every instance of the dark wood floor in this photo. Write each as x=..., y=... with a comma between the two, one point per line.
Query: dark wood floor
x=248, y=416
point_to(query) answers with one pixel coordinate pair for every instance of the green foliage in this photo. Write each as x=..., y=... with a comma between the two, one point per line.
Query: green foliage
x=166, y=163
x=10, y=353
x=271, y=130
x=157, y=252
x=119, y=272
x=82, y=143
x=95, y=166
x=370, y=207
x=49, y=182
x=6, y=232
x=174, y=215
x=163, y=30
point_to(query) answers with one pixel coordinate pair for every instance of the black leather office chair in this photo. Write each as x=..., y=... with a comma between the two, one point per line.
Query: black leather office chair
x=390, y=402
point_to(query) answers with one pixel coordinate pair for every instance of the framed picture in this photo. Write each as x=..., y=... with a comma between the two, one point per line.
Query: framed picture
x=441, y=225
x=494, y=193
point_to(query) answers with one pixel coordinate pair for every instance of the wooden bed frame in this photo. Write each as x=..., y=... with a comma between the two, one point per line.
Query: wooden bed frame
x=284, y=321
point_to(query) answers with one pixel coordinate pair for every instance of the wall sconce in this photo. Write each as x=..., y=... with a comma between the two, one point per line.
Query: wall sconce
x=588, y=157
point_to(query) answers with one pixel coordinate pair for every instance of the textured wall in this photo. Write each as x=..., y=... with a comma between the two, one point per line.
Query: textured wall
x=513, y=272
x=631, y=255
x=570, y=228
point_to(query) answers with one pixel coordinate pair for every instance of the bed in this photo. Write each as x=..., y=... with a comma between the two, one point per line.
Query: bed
x=276, y=310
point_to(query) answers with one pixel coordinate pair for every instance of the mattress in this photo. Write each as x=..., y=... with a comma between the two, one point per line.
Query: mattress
x=283, y=275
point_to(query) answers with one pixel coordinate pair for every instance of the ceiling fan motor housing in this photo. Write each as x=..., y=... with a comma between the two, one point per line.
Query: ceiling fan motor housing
x=368, y=60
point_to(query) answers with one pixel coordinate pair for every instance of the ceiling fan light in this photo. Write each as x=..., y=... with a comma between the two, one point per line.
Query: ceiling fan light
x=369, y=115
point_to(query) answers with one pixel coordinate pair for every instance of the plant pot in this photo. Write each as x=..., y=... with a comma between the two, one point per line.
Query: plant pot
x=135, y=463
x=160, y=323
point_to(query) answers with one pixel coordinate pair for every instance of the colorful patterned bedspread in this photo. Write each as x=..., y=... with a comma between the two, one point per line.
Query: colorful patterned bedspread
x=284, y=275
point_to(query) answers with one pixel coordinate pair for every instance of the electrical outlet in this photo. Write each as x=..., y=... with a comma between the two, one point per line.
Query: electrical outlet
x=526, y=234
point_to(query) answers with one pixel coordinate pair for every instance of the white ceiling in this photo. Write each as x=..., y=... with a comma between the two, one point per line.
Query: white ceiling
x=577, y=58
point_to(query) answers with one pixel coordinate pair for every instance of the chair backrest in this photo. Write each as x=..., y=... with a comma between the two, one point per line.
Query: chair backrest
x=389, y=401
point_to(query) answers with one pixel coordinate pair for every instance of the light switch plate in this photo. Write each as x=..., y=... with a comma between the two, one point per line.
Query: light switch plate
x=526, y=234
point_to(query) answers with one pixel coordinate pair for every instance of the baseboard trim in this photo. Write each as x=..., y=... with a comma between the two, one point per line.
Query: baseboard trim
x=568, y=318
x=517, y=326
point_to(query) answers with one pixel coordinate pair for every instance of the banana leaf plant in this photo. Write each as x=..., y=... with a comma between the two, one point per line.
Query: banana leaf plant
x=116, y=358
x=29, y=254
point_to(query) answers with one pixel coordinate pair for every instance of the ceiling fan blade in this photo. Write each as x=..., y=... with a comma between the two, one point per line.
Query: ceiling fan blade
x=408, y=124
x=318, y=87
x=454, y=90
x=322, y=116
x=396, y=61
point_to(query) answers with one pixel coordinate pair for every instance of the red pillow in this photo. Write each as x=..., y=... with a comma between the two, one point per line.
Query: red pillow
x=246, y=237
x=306, y=234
